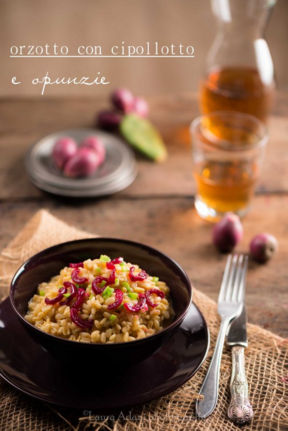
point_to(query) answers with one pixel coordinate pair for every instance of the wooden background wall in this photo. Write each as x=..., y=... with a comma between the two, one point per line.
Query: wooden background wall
x=106, y=22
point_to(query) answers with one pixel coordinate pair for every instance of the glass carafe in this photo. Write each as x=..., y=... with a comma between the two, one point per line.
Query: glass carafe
x=239, y=71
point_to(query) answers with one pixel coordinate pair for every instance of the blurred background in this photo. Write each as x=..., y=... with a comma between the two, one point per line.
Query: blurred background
x=108, y=22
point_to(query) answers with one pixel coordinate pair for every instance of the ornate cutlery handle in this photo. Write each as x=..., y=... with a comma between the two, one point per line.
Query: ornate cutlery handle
x=240, y=410
x=209, y=389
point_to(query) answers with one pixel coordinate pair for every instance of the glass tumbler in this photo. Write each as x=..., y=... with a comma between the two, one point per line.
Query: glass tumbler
x=227, y=149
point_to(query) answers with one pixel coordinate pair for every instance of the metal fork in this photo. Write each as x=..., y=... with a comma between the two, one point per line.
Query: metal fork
x=230, y=303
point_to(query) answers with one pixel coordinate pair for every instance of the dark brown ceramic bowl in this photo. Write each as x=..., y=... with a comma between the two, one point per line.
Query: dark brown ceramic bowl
x=42, y=266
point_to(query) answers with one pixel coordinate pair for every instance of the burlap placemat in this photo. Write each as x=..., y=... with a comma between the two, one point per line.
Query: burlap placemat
x=266, y=365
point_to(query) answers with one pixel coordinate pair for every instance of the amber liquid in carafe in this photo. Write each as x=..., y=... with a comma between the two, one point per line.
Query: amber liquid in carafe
x=236, y=89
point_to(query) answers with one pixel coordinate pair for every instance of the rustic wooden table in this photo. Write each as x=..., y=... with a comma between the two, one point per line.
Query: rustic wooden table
x=158, y=208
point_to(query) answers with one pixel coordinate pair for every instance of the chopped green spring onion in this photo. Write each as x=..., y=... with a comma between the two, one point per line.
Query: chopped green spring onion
x=122, y=264
x=155, y=279
x=104, y=258
x=127, y=286
x=91, y=296
x=108, y=292
x=133, y=295
x=117, y=282
x=66, y=295
x=98, y=271
x=41, y=293
x=112, y=317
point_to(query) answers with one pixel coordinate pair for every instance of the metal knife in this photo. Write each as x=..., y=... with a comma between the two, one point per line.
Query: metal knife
x=240, y=410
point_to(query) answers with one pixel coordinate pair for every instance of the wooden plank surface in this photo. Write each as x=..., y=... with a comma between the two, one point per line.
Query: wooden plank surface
x=24, y=121
x=158, y=208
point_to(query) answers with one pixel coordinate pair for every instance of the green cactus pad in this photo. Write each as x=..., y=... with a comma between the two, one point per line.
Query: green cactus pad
x=143, y=136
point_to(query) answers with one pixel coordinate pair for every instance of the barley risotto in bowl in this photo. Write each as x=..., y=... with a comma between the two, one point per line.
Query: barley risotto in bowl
x=100, y=299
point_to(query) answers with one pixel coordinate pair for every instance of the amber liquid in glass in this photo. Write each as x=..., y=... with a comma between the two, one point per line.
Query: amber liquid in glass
x=226, y=186
x=238, y=89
